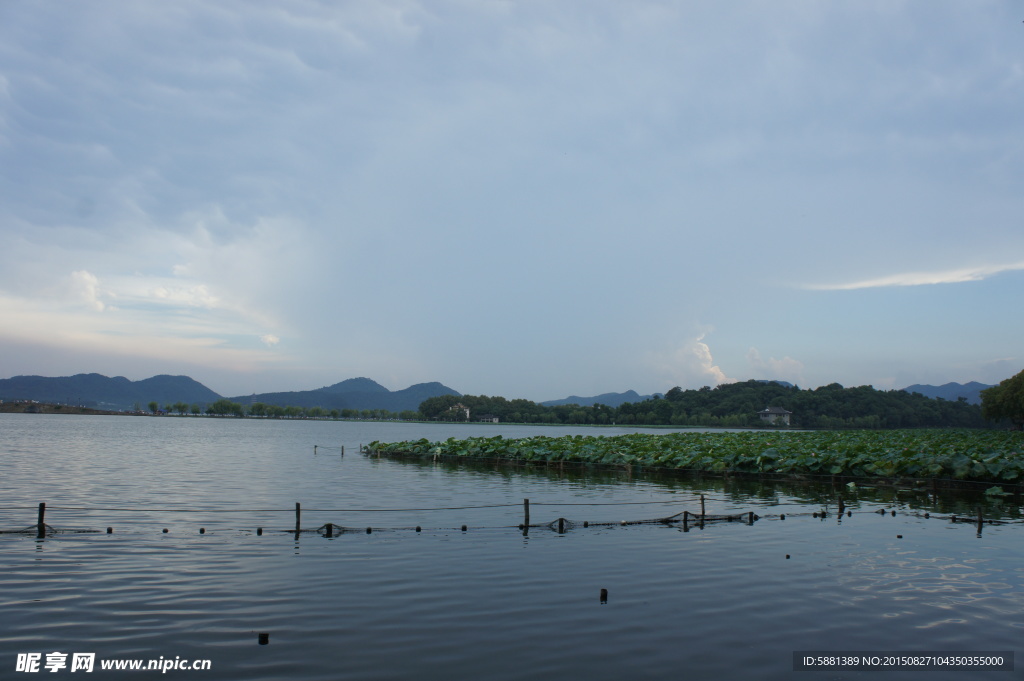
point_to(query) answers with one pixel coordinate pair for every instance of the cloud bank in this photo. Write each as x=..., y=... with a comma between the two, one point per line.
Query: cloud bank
x=529, y=199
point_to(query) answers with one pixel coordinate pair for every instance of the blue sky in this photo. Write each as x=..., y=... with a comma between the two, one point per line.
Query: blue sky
x=528, y=199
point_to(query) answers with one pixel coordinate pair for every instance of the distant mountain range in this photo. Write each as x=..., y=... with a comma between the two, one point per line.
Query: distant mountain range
x=784, y=384
x=354, y=393
x=607, y=399
x=951, y=391
x=119, y=393
x=101, y=392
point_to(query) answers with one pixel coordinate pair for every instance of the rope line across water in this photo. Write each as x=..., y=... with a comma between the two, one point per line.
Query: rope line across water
x=682, y=518
x=332, y=510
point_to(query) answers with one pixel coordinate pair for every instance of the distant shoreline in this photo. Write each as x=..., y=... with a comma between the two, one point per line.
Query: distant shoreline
x=24, y=407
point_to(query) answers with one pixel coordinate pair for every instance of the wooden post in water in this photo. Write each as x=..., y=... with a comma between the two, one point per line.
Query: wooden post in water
x=526, y=513
x=40, y=523
x=702, y=507
x=329, y=530
x=298, y=518
x=343, y=450
x=314, y=450
x=981, y=521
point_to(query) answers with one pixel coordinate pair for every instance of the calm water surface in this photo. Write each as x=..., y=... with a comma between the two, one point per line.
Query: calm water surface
x=721, y=602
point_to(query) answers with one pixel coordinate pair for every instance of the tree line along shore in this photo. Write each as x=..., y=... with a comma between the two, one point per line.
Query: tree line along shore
x=732, y=405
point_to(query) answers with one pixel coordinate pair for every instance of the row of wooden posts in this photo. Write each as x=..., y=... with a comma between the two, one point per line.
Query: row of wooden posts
x=525, y=526
x=329, y=527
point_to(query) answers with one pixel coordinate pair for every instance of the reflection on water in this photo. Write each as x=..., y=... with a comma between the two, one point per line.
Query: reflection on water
x=765, y=491
x=729, y=600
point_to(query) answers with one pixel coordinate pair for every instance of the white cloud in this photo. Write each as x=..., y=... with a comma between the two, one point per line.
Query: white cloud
x=193, y=296
x=692, y=365
x=951, y=276
x=785, y=369
x=270, y=340
x=86, y=288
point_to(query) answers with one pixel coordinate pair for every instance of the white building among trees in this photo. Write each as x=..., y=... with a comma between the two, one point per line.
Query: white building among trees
x=774, y=415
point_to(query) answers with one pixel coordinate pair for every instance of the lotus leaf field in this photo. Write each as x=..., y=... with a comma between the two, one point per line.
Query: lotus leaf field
x=978, y=455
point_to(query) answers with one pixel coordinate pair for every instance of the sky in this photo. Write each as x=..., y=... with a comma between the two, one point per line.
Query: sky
x=530, y=199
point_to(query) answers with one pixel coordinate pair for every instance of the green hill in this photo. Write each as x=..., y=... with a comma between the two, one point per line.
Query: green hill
x=354, y=393
x=102, y=392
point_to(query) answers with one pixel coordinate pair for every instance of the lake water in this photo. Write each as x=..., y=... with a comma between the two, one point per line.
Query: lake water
x=729, y=601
